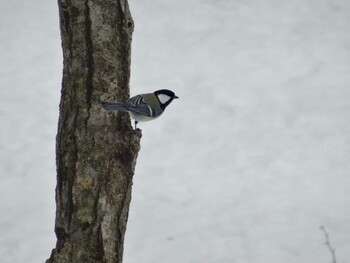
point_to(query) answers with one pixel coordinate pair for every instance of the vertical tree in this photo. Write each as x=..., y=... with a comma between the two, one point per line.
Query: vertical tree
x=96, y=151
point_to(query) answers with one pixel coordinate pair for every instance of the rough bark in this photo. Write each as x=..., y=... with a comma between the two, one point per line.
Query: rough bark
x=96, y=151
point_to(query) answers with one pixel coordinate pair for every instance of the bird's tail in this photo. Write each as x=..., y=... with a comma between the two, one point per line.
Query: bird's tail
x=107, y=105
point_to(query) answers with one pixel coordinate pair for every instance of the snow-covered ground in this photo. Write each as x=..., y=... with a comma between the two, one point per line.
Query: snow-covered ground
x=245, y=167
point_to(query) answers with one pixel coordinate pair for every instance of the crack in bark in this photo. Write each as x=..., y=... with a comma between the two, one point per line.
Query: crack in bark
x=89, y=57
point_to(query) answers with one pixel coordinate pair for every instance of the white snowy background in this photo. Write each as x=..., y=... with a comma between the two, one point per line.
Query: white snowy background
x=245, y=167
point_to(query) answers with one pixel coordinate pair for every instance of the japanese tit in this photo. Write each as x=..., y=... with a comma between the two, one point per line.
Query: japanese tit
x=143, y=107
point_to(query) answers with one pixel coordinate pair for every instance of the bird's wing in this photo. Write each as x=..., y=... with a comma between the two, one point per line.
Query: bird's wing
x=137, y=105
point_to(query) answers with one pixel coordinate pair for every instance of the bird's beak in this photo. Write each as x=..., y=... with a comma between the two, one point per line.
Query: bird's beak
x=176, y=97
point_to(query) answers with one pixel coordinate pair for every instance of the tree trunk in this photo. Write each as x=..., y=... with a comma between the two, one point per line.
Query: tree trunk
x=96, y=151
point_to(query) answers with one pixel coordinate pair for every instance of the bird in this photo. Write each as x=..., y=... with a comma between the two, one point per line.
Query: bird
x=143, y=107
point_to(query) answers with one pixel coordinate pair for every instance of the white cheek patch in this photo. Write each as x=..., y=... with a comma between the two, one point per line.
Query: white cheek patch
x=163, y=98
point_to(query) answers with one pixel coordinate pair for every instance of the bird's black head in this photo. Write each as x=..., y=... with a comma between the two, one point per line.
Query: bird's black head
x=165, y=97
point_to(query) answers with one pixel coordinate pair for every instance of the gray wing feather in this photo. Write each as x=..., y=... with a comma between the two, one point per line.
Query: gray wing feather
x=137, y=105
